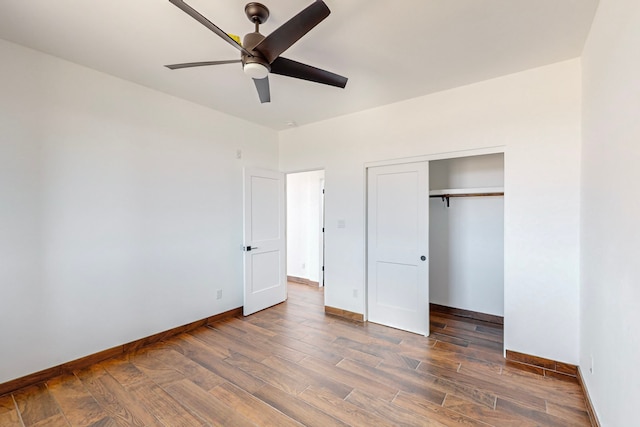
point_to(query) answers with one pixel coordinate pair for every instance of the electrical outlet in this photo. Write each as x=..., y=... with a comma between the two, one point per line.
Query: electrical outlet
x=238, y=154
x=219, y=294
x=355, y=293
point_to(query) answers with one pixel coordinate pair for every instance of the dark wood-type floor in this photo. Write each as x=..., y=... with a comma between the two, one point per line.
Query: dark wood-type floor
x=294, y=365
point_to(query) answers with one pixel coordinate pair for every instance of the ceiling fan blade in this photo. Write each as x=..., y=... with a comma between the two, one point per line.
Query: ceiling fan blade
x=263, y=89
x=210, y=25
x=292, y=30
x=298, y=70
x=201, y=64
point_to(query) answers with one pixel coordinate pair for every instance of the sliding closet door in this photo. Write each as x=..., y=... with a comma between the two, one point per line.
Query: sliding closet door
x=398, y=244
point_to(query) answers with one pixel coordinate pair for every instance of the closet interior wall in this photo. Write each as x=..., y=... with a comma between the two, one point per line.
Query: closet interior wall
x=466, y=234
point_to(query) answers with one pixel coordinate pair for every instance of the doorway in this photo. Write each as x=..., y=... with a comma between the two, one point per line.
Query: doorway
x=466, y=236
x=305, y=227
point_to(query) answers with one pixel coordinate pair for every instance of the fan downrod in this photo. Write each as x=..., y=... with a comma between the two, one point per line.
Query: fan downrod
x=256, y=12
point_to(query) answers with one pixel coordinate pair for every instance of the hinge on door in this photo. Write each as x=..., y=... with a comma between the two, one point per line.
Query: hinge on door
x=323, y=191
x=323, y=268
x=323, y=229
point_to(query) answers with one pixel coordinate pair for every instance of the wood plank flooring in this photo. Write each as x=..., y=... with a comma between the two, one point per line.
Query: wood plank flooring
x=293, y=365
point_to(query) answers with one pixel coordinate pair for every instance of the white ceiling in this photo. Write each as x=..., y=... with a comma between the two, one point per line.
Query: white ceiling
x=390, y=50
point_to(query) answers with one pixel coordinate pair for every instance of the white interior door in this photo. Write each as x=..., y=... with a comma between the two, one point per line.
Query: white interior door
x=398, y=245
x=265, y=282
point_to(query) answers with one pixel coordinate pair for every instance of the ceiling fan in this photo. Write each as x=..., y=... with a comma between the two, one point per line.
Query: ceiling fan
x=260, y=55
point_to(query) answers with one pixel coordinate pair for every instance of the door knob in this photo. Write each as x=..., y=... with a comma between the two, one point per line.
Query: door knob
x=423, y=258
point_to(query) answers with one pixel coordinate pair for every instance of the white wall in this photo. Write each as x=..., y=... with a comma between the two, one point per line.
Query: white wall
x=535, y=115
x=303, y=224
x=467, y=172
x=120, y=210
x=466, y=239
x=610, y=229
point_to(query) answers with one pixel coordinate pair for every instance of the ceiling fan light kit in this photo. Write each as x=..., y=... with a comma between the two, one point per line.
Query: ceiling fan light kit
x=255, y=70
x=260, y=55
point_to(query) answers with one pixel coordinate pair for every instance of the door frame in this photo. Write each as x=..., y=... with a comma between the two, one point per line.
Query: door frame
x=403, y=160
x=322, y=229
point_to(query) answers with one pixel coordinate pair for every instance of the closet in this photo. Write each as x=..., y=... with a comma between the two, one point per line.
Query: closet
x=466, y=235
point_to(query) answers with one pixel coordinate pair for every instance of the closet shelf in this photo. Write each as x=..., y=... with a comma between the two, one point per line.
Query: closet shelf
x=447, y=193
x=463, y=192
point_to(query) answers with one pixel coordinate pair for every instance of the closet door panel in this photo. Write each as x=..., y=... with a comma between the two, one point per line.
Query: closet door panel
x=398, y=237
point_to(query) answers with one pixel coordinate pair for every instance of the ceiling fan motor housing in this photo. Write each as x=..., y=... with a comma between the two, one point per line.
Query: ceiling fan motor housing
x=250, y=41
